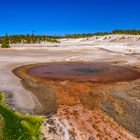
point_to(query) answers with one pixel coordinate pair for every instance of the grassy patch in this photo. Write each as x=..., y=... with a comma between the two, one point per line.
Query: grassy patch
x=1, y=126
x=18, y=126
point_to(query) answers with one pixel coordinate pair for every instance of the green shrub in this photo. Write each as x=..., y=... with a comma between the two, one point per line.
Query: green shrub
x=5, y=44
x=18, y=126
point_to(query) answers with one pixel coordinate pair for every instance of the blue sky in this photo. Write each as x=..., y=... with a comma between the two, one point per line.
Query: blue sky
x=67, y=16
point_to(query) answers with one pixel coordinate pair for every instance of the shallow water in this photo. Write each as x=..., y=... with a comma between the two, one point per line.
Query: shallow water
x=83, y=72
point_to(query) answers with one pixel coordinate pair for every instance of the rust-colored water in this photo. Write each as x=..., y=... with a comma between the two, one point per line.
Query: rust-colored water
x=83, y=72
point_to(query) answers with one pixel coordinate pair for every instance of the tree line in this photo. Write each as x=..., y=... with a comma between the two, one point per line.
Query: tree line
x=128, y=32
x=28, y=38
x=31, y=38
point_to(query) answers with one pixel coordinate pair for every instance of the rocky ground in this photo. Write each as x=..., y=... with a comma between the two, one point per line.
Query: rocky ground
x=119, y=101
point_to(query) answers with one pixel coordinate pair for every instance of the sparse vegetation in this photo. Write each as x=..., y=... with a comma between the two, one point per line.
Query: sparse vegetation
x=17, y=126
x=31, y=38
x=27, y=39
x=129, y=32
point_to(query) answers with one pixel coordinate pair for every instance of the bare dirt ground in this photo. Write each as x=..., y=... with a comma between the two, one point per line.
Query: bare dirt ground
x=117, y=50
